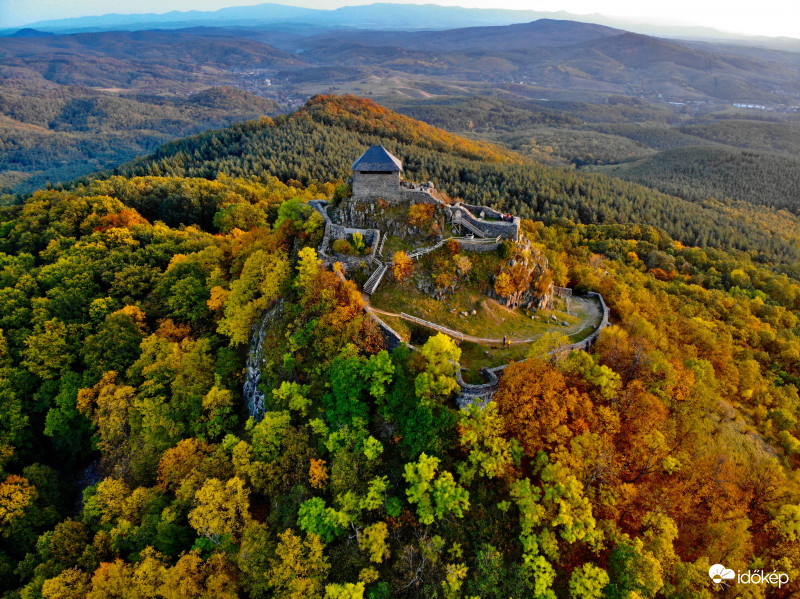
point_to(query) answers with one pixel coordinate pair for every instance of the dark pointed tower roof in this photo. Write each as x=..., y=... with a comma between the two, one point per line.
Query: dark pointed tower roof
x=378, y=158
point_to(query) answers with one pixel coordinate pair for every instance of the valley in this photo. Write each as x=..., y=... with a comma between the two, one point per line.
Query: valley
x=567, y=94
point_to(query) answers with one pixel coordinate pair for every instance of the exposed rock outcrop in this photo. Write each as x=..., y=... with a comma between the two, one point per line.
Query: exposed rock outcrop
x=390, y=217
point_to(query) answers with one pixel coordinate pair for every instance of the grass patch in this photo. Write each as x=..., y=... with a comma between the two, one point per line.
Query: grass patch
x=475, y=356
x=394, y=244
x=491, y=319
x=400, y=326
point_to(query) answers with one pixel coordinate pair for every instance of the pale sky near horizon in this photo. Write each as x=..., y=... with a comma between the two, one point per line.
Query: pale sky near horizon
x=762, y=17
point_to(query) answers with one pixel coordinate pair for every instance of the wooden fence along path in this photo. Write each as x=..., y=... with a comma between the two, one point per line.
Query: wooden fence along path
x=437, y=327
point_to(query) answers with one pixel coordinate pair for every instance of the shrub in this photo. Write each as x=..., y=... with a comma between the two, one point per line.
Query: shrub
x=358, y=242
x=342, y=246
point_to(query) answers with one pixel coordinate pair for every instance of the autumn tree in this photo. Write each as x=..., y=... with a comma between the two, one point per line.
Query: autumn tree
x=402, y=266
x=489, y=452
x=588, y=581
x=255, y=552
x=250, y=294
x=108, y=405
x=373, y=541
x=299, y=568
x=318, y=474
x=420, y=215
x=538, y=407
x=16, y=495
x=513, y=282
x=71, y=583
x=180, y=462
x=348, y=590
x=223, y=510
x=307, y=269
x=438, y=379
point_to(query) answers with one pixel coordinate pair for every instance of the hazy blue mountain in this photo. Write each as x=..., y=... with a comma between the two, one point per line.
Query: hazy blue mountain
x=28, y=32
x=383, y=16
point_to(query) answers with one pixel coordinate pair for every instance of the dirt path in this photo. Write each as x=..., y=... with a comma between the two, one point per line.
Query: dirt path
x=591, y=308
x=470, y=338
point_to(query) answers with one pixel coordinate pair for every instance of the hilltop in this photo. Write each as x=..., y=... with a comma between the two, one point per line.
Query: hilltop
x=333, y=128
x=573, y=71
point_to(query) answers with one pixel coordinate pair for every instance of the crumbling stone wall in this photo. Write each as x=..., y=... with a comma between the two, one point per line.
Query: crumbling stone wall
x=501, y=228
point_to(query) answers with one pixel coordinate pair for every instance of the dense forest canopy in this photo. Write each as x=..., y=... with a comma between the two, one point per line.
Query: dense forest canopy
x=726, y=154
x=129, y=466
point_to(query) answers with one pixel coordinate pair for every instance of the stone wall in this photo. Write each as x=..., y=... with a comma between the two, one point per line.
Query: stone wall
x=476, y=245
x=586, y=344
x=372, y=238
x=391, y=337
x=500, y=228
x=419, y=196
x=333, y=232
x=476, y=211
x=377, y=185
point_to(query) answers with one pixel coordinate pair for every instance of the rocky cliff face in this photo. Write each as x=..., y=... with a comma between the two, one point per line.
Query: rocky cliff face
x=533, y=282
x=253, y=394
x=388, y=217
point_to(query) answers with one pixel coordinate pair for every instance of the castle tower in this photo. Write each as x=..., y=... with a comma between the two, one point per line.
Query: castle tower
x=376, y=174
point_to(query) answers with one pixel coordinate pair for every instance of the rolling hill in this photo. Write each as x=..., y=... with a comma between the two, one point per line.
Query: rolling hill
x=333, y=129
x=74, y=131
x=89, y=91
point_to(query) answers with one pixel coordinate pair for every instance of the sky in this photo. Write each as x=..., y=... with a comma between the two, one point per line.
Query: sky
x=751, y=17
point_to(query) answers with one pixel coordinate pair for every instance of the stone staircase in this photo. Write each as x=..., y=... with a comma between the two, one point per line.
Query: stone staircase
x=422, y=251
x=469, y=226
x=375, y=278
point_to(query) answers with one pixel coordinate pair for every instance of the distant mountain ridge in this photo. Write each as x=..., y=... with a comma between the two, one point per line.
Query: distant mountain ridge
x=384, y=16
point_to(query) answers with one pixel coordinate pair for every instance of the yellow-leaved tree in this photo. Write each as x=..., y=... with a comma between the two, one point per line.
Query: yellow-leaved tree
x=402, y=266
x=223, y=510
x=299, y=568
x=438, y=380
x=260, y=283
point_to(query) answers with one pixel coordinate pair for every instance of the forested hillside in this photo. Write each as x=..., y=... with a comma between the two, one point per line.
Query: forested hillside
x=130, y=468
x=696, y=157
x=75, y=131
x=766, y=179
x=318, y=143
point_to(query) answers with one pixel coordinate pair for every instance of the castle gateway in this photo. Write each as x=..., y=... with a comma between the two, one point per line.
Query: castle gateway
x=376, y=174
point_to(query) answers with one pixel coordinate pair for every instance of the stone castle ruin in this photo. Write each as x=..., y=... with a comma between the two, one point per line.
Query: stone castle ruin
x=379, y=191
x=376, y=174
x=381, y=204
